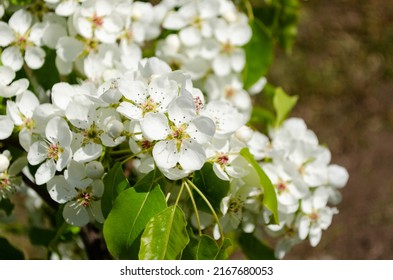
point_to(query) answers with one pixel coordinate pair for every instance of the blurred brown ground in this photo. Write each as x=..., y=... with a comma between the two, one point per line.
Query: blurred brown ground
x=342, y=69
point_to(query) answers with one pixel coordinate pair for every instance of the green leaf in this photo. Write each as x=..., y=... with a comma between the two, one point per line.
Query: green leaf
x=9, y=252
x=131, y=212
x=21, y=2
x=48, y=75
x=205, y=248
x=41, y=236
x=283, y=104
x=259, y=54
x=7, y=206
x=211, y=186
x=261, y=115
x=115, y=182
x=269, y=194
x=254, y=249
x=165, y=235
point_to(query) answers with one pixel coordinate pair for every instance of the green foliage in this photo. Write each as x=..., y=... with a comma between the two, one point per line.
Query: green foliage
x=211, y=186
x=269, y=194
x=41, y=236
x=7, y=206
x=255, y=249
x=205, y=248
x=259, y=54
x=165, y=235
x=8, y=251
x=48, y=75
x=130, y=214
x=283, y=104
x=21, y=2
x=115, y=182
x=281, y=18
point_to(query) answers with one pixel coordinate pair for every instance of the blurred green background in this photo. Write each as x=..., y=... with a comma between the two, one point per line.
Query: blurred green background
x=341, y=67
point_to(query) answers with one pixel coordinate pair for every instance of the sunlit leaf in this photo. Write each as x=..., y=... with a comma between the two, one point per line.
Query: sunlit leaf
x=269, y=194
x=283, y=104
x=259, y=54
x=130, y=213
x=165, y=235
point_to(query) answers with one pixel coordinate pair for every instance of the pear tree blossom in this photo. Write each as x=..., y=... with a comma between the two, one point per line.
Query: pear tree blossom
x=53, y=152
x=116, y=128
x=80, y=194
x=21, y=40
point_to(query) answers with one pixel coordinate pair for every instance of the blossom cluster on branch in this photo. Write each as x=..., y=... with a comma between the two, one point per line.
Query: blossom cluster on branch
x=159, y=87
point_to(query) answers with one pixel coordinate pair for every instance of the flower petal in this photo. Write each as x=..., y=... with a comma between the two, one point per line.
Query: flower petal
x=165, y=154
x=88, y=153
x=75, y=214
x=192, y=155
x=6, y=127
x=12, y=57
x=20, y=21
x=155, y=126
x=59, y=189
x=201, y=129
x=45, y=172
x=6, y=35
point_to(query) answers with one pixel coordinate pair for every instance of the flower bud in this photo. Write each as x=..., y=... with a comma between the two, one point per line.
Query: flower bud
x=4, y=163
x=244, y=134
x=94, y=170
x=114, y=128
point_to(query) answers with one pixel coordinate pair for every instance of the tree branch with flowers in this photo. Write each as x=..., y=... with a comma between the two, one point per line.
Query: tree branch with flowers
x=132, y=130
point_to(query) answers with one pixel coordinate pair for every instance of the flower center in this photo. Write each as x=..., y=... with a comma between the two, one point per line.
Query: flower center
x=313, y=216
x=281, y=187
x=84, y=199
x=223, y=159
x=149, y=106
x=229, y=92
x=146, y=144
x=92, y=134
x=54, y=151
x=97, y=21
x=235, y=205
x=228, y=48
x=198, y=103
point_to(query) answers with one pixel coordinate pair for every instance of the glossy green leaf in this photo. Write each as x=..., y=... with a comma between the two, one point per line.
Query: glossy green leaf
x=7, y=206
x=165, y=235
x=8, y=251
x=205, y=248
x=131, y=212
x=283, y=104
x=254, y=249
x=211, y=186
x=269, y=194
x=259, y=54
x=115, y=182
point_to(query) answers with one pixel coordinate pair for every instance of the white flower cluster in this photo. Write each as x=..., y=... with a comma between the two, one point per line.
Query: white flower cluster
x=103, y=39
x=305, y=182
x=208, y=44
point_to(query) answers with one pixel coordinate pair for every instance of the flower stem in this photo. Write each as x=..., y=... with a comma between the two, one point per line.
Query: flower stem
x=209, y=205
x=195, y=208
